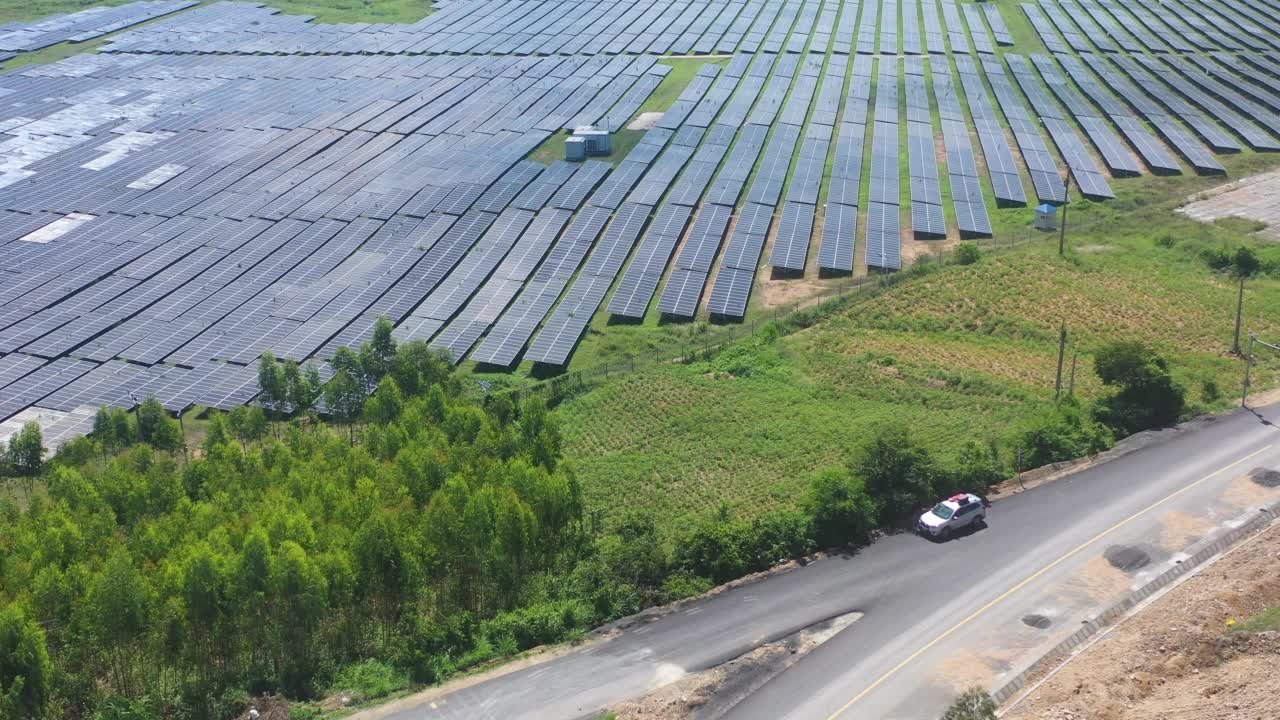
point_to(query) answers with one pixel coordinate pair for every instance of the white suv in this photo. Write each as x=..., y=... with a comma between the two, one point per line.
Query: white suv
x=955, y=513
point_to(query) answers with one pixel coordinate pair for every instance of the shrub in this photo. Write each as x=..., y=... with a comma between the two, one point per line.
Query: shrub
x=780, y=535
x=973, y=704
x=1165, y=240
x=898, y=472
x=25, y=671
x=967, y=253
x=1209, y=390
x=683, y=585
x=369, y=680
x=842, y=511
x=1065, y=432
x=539, y=624
x=976, y=470
x=633, y=552
x=1145, y=394
x=718, y=550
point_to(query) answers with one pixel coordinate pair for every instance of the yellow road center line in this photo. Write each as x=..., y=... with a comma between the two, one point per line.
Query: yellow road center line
x=880, y=680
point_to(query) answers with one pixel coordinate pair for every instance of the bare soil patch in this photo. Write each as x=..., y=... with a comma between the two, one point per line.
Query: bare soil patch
x=1176, y=659
x=713, y=692
x=645, y=121
x=1255, y=198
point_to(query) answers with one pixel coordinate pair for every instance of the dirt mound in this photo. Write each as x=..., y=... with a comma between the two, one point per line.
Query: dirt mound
x=1177, y=659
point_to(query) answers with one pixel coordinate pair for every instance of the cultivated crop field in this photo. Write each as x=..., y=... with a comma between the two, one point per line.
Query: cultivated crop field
x=964, y=353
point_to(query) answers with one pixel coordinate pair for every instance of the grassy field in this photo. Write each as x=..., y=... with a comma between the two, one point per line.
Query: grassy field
x=553, y=149
x=682, y=73
x=958, y=354
x=351, y=11
x=325, y=11
x=22, y=10
x=328, y=11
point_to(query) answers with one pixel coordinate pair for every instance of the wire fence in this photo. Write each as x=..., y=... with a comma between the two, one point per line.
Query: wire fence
x=782, y=320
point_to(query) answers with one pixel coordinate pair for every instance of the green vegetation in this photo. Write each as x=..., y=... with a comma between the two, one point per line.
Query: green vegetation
x=26, y=10
x=351, y=11
x=431, y=536
x=973, y=704
x=682, y=73
x=621, y=143
x=1265, y=621
x=958, y=353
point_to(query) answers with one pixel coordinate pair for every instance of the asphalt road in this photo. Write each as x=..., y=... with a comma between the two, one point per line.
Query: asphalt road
x=936, y=616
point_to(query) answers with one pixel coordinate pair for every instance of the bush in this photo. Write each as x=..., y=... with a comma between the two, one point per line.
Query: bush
x=976, y=470
x=633, y=552
x=780, y=535
x=1065, y=432
x=1209, y=390
x=682, y=585
x=973, y=704
x=967, y=253
x=540, y=624
x=842, y=511
x=1165, y=240
x=368, y=680
x=25, y=671
x=898, y=473
x=1145, y=395
x=719, y=550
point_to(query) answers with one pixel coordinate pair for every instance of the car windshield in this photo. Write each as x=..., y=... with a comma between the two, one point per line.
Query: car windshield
x=943, y=511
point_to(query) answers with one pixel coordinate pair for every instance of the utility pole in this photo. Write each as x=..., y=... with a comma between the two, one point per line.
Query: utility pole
x=1248, y=365
x=1066, y=200
x=1071, y=386
x=1235, y=345
x=1062, y=349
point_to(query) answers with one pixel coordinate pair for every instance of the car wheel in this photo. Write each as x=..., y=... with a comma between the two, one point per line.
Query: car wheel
x=945, y=535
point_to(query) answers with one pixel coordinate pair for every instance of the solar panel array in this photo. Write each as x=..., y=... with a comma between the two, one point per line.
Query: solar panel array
x=83, y=25
x=883, y=234
x=840, y=220
x=227, y=179
x=1084, y=170
x=922, y=157
x=962, y=166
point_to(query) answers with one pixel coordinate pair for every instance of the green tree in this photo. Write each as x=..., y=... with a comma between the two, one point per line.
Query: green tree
x=112, y=427
x=1144, y=393
x=1244, y=265
x=119, y=603
x=156, y=427
x=247, y=423
x=272, y=383
x=378, y=354
x=218, y=433
x=973, y=704
x=25, y=670
x=417, y=367
x=897, y=471
x=841, y=509
x=386, y=403
x=345, y=392
x=305, y=388
x=26, y=453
